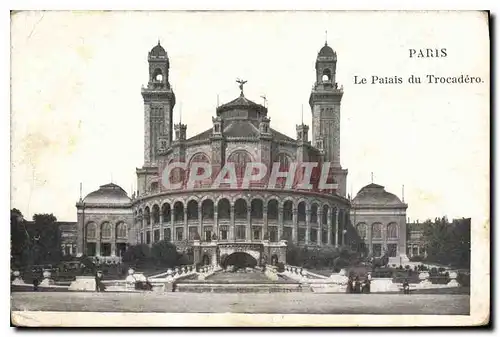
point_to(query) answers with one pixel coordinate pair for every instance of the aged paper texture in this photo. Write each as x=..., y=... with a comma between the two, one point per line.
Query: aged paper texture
x=251, y=168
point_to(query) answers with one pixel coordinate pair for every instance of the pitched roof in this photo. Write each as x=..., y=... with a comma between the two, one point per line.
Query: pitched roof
x=108, y=194
x=202, y=135
x=374, y=194
x=241, y=128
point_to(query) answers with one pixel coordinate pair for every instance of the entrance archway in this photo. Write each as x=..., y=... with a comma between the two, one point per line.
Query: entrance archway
x=205, y=261
x=239, y=260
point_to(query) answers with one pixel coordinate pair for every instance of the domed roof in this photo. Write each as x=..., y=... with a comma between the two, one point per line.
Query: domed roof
x=108, y=194
x=241, y=103
x=326, y=51
x=374, y=194
x=158, y=51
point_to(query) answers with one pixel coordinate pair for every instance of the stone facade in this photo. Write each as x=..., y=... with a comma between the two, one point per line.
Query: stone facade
x=379, y=219
x=256, y=218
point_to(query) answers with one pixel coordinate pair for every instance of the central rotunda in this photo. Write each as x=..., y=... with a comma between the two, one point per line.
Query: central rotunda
x=218, y=222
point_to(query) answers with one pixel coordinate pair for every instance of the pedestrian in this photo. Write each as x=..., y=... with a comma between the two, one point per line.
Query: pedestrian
x=98, y=278
x=357, y=286
x=366, y=288
x=35, y=284
x=349, y=288
x=406, y=286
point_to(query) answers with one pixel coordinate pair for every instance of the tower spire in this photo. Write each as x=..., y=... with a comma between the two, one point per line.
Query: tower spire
x=180, y=112
x=372, y=177
x=326, y=37
x=403, y=193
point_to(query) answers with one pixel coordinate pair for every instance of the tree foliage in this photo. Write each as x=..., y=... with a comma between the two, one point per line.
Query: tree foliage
x=18, y=238
x=448, y=243
x=319, y=257
x=46, y=239
x=34, y=242
x=164, y=253
x=137, y=254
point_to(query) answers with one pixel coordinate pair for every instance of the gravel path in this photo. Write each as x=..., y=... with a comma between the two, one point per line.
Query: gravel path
x=276, y=303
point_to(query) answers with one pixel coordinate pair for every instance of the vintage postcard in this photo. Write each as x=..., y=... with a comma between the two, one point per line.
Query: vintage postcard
x=250, y=168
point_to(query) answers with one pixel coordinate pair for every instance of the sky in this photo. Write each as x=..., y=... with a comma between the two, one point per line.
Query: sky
x=77, y=111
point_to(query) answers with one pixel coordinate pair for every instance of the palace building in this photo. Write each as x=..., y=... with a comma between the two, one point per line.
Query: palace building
x=217, y=223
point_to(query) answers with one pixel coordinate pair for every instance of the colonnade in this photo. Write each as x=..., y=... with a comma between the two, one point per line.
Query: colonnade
x=242, y=219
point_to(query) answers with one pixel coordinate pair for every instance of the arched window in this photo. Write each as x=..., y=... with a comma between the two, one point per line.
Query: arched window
x=392, y=230
x=301, y=211
x=157, y=75
x=198, y=158
x=223, y=209
x=207, y=209
x=284, y=161
x=327, y=75
x=272, y=209
x=156, y=214
x=147, y=216
x=287, y=211
x=376, y=231
x=314, y=213
x=240, y=209
x=192, y=210
x=166, y=212
x=257, y=209
x=121, y=230
x=106, y=230
x=177, y=173
x=361, y=228
x=240, y=159
x=178, y=211
x=324, y=216
x=91, y=230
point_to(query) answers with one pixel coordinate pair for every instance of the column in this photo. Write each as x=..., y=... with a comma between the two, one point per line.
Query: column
x=384, y=238
x=329, y=226
x=113, y=239
x=216, y=223
x=280, y=222
x=248, y=227
x=320, y=226
x=369, y=238
x=172, y=226
x=98, y=239
x=162, y=236
x=265, y=229
x=186, y=229
x=337, y=219
x=151, y=236
x=418, y=250
x=402, y=235
x=308, y=223
x=143, y=229
x=231, y=225
x=200, y=222
x=295, y=226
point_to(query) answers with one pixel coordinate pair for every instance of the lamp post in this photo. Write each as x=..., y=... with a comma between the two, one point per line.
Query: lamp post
x=343, y=236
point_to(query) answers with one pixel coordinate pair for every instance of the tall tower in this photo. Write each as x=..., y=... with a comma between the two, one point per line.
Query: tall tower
x=159, y=101
x=325, y=107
